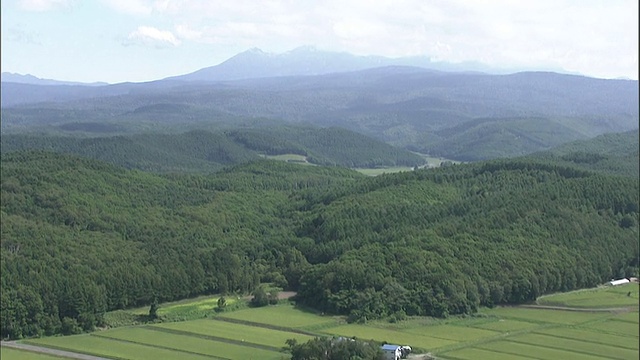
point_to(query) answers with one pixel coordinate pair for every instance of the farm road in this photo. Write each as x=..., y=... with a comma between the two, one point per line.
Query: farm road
x=49, y=351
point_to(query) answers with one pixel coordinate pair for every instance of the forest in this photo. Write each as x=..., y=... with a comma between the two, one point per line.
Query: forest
x=81, y=236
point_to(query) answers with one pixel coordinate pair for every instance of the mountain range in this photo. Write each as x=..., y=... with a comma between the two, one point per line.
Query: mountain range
x=304, y=60
x=463, y=115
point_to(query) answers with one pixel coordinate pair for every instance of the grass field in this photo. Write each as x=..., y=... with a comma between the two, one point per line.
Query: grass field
x=189, y=344
x=14, y=354
x=100, y=346
x=365, y=332
x=383, y=170
x=605, y=297
x=294, y=158
x=231, y=331
x=259, y=333
x=282, y=316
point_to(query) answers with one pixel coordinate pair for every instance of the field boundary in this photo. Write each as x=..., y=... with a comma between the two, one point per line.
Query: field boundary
x=161, y=347
x=214, y=338
x=266, y=326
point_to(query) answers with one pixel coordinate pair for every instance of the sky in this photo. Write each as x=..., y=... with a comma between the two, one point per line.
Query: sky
x=140, y=40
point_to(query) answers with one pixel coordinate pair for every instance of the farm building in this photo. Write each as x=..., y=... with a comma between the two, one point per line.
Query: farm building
x=395, y=352
x=392, y=352
x=618, y=282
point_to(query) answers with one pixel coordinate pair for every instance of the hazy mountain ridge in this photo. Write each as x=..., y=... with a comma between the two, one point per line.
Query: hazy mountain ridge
x=412, y=107
x=33, y=80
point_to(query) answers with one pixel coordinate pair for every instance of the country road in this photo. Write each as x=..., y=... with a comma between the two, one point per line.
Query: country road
x=49, y=351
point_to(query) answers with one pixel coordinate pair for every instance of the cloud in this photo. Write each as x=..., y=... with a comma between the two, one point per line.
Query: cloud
x=150, y=36
x=131, y=7
x=19, y=35
x=43, y=5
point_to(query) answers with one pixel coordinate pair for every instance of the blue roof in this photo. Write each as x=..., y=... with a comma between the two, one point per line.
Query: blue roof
x=390, y=347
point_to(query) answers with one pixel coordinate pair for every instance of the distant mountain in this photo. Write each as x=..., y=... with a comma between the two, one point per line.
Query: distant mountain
x=30, y=79
x=462, y=116
x=308, y=60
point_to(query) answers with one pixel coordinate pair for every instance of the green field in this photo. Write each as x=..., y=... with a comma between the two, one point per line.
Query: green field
x=616, y=327
x=100, y=346
x=14, y=354
x=507, y=325
x=534, y=351
x=295, y=158
x=604, y=297
x=591, y=337
x=260, y=333
x=231, y=331
x=383, y=170
x=365, y=332
x=189, y=344
x=282, y=316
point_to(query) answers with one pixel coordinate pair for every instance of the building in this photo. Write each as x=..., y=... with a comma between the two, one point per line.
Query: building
x=618, y=282
x=392, y=352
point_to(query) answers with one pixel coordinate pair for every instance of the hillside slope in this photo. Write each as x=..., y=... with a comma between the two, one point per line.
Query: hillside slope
x=201, y=151
x=80, y=237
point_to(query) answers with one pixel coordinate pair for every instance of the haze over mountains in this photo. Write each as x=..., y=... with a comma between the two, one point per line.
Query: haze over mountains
x=462, y=115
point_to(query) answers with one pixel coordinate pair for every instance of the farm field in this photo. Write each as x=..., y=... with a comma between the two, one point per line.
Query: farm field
x=285, y=316
x=232, y=331
x=9, y=353
x=605, y=297
x=382, y=170
x=260, y=333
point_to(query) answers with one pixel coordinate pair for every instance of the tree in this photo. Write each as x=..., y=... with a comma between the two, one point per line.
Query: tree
x=153, y=310
x=326, y=348
x=222, y=302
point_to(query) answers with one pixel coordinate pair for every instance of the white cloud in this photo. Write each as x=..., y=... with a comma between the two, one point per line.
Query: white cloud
x=43, y=5
x=150, y=36
x=132, y=7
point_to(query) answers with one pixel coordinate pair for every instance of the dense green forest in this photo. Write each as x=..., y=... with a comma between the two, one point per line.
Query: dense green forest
x=80, y=237
x=200, y=151
x=615, y=153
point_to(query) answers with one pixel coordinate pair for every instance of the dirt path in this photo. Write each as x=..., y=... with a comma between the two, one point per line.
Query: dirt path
x=49, y=351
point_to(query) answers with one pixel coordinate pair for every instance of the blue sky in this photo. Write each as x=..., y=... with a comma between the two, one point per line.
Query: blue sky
x=141, y=40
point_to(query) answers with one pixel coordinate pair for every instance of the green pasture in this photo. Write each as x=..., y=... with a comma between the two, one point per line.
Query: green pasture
x=507, y=325
x=15, y=354
x=630, y=317
x=383, y=170
x=481, y=354
x=282, y=315
x=534, y=351
x=617, y=327
x=545, y=316
x=231, y=331
x=100, y=346
x=189, y=344
x=289, y=158
x=602, y=297
x=365, y=332
x=453, y=332
x=591, y=337
x=578, y=346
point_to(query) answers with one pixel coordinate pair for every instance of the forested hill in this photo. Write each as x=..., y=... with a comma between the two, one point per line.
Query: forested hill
x=200, y=151
x=615, y=153
x=80, y=237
